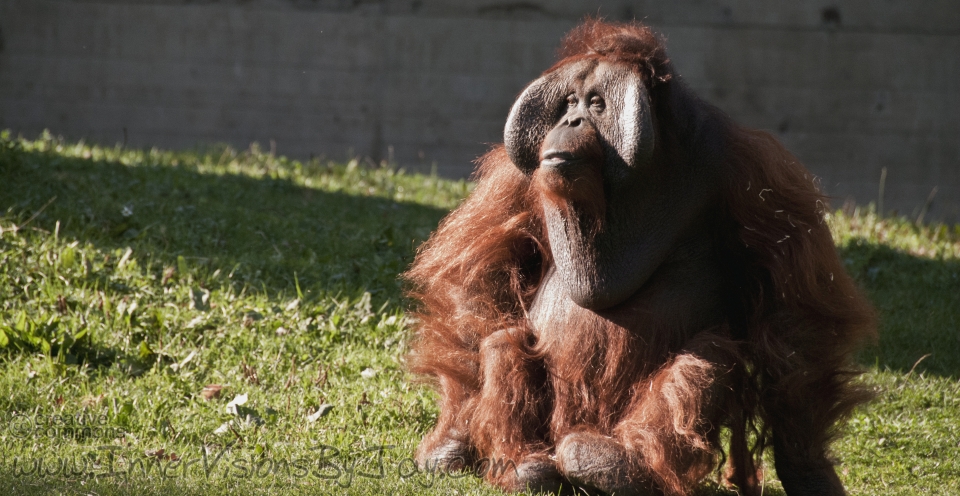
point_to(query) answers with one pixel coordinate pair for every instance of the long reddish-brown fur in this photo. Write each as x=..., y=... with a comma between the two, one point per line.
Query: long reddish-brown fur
x=794, y=323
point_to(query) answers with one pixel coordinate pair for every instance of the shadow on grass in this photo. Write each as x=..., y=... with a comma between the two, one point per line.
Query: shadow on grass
x=918, y=303
x=261, y=231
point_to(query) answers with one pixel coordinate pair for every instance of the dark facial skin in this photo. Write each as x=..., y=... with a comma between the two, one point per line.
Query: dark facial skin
x=573, y=143
x=586, y=132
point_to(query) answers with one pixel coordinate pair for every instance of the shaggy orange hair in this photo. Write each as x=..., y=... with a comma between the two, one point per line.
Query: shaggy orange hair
x=795, y=318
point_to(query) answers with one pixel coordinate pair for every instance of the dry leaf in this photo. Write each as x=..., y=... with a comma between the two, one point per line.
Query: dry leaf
x=321, y=411
x=90, y=400
x=238, y=400
x=211, y=391
x=250, y=374
x=161, y=454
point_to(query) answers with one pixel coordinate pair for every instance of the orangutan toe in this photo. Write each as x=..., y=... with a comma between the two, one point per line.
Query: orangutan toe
x=597, y=462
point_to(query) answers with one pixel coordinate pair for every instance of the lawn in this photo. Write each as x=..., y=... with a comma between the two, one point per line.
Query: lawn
x=204, y=321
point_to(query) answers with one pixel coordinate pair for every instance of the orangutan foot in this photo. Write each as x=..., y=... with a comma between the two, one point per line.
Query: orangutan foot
x=535, y=474
x=596, y=462
x=448, y=455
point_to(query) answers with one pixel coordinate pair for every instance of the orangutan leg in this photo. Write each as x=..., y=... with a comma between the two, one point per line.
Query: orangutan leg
x=802, y=410
x=447, y=448
x=509, y=426
x=804, y=475
x=668, y=439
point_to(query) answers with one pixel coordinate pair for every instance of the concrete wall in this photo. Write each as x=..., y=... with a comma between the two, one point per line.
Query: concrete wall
x=851, y=87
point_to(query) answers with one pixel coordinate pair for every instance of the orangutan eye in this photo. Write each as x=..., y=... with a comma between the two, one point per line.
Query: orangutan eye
x=572, y=101
x=597, y=103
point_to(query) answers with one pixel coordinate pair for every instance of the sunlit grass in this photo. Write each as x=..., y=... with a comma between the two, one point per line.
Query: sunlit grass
x=148, y=292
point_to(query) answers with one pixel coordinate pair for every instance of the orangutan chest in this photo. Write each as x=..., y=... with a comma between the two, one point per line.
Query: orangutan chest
x=676, y=302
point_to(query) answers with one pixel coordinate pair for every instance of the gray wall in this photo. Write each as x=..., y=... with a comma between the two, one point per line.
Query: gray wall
x=850, y=86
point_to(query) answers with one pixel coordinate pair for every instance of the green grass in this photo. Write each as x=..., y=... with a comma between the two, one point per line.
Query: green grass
x=132, y=279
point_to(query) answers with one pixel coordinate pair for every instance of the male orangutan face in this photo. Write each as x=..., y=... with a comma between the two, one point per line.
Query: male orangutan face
x=585, y=131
